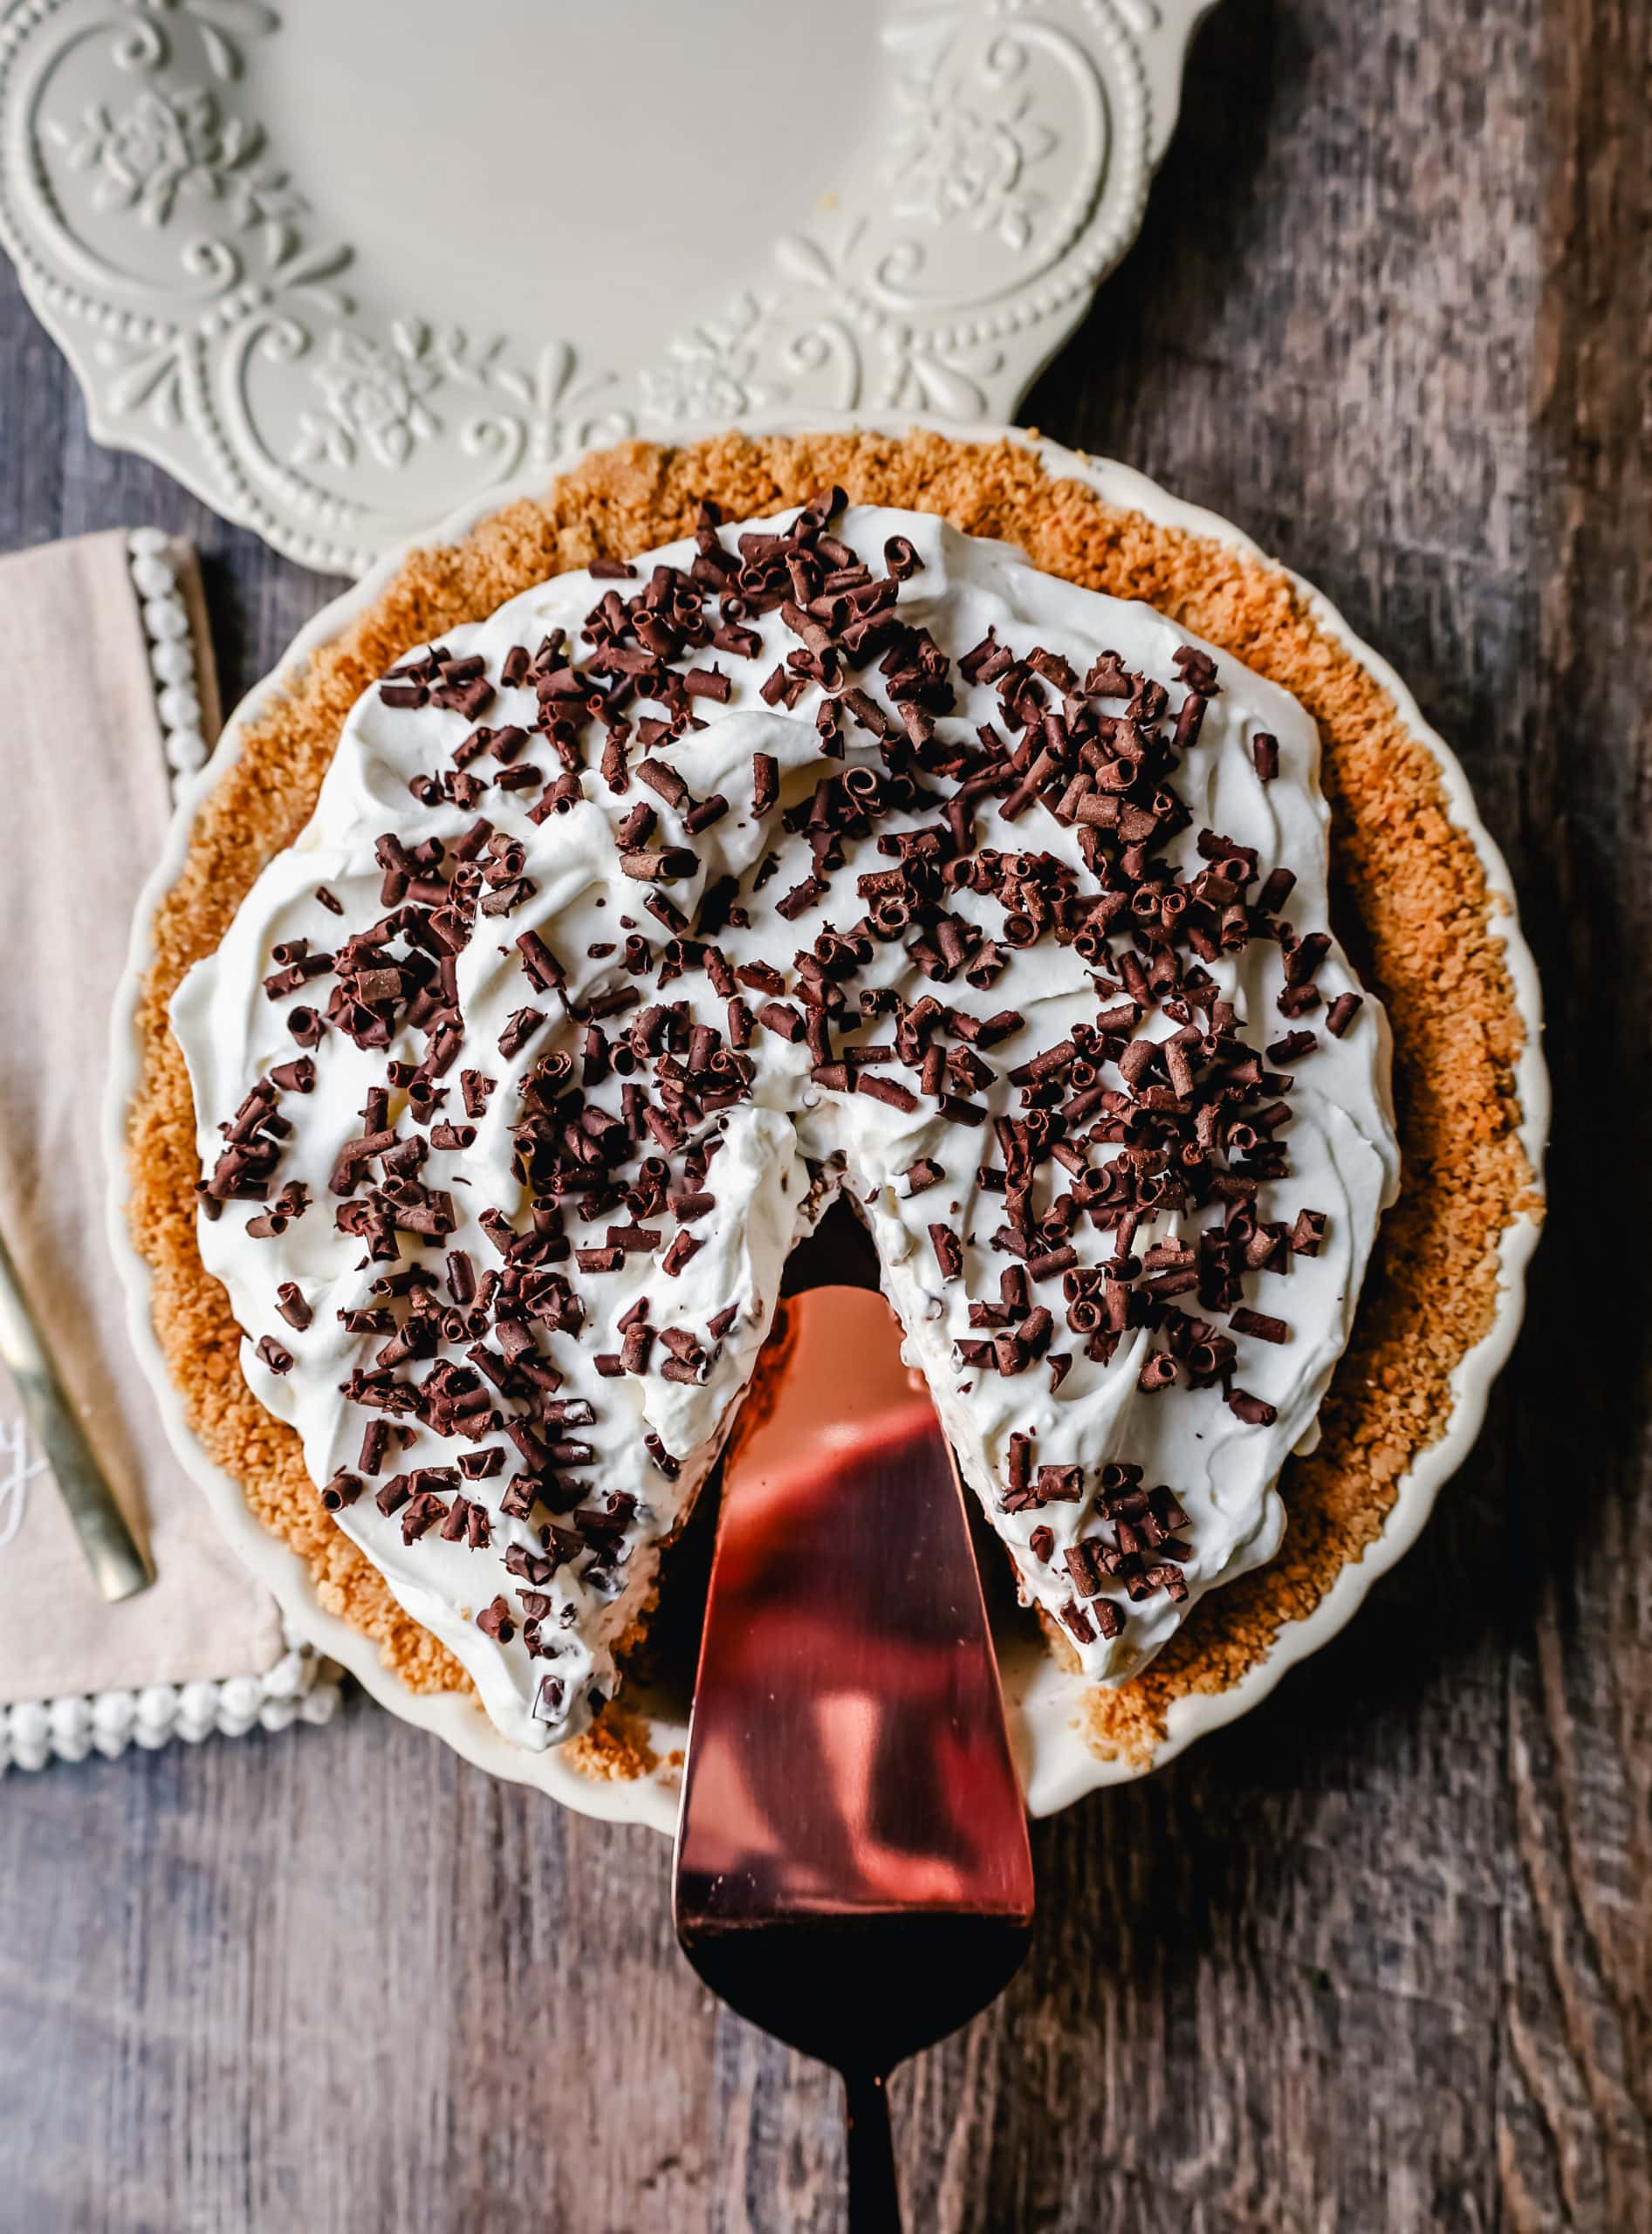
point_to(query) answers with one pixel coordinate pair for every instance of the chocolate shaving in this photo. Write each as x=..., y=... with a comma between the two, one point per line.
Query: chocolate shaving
x=1307, y=1233
x=664, y=779
x=1265, y=1329
x=685, y=1246
x=519, y=1029
x=1252, y=1409
x=494, y=1620
x=886, y=1089
x=545, y=972
x=1077, y=1621
x=949, y=1251
x=659, y=864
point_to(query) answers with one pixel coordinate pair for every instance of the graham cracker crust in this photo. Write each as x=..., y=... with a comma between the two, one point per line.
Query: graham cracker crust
x=1411, y=881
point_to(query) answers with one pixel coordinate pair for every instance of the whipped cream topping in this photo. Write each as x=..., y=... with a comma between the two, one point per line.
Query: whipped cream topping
x=1127, y=1456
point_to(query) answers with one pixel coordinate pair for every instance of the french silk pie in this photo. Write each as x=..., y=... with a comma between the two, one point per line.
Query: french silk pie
x=768, y=822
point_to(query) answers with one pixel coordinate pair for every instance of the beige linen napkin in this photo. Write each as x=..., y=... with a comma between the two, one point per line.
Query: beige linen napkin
x=109, y=674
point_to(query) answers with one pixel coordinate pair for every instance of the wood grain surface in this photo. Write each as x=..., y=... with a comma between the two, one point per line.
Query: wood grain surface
x=1379, y=1958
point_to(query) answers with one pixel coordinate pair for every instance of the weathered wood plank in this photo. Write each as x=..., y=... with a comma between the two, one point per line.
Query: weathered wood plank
x=1575, y=2101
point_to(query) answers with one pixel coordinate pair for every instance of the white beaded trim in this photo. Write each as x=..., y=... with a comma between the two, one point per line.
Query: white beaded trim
x=301, y=1687
x=171, y=641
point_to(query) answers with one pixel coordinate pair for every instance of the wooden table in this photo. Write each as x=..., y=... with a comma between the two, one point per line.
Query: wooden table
x=1378, y=1958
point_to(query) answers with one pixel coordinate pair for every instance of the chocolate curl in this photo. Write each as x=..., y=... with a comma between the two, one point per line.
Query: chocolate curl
x=949, y=1251
x=494, y=1620
x=1258, y=1323
x=1307, y=1233
x=663, y=779
x=900, y=558
x=659, y=864
x=886, y=1089
x=1059, y=1485
x=545, y=972
x=1253, y=1411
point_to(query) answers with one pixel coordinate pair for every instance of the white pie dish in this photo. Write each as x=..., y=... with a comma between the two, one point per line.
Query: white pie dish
x=1057, y=1762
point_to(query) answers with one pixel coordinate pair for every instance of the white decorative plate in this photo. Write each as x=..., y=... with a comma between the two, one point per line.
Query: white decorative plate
x=342, y=266
x=1056, y=1764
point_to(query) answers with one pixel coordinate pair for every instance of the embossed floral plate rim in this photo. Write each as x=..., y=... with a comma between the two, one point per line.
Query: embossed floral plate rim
x=224, y=318
x=1057, y=1763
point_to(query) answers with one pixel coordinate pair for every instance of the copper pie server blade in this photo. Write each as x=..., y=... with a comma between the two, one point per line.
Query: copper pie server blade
x=853, y=1871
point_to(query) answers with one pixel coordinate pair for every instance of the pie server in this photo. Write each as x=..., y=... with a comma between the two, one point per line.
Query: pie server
x=853, y=1871
x=118, y=1564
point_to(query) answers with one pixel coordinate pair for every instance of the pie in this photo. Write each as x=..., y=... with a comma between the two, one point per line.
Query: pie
x=769, y=821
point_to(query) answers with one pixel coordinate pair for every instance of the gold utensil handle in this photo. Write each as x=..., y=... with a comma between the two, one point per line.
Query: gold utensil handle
x=118, y=1565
